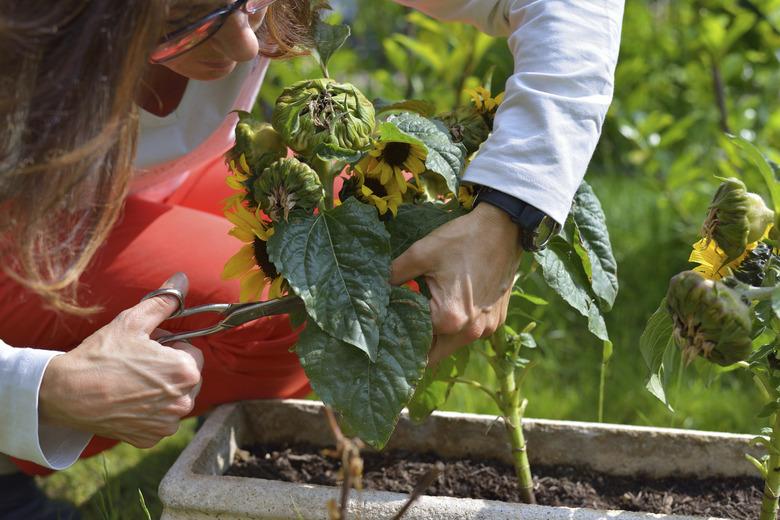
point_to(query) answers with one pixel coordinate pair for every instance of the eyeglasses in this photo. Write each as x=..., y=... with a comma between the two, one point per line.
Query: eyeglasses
x=190, y=36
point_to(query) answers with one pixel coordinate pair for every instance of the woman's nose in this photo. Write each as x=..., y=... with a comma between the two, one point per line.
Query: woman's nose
x=236, y=39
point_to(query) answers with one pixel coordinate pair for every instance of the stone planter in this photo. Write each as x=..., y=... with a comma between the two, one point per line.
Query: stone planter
x=195, y=489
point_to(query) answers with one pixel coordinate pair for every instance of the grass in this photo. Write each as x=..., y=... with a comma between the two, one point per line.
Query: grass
x=109, y=486
x=564, y=384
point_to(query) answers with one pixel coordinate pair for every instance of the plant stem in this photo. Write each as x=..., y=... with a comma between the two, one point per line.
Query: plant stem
x=606, y=355
x=510, y=404
x=514, y=428
x=772, y=484
x=761, y=293
x=720, y=95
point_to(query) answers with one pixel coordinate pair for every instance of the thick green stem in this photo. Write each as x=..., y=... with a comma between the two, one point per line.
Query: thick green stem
x=514, y=429
x=510, y=403
x=772, y=483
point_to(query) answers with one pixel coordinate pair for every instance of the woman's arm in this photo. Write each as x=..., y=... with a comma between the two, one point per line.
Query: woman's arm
x=544, y=135
x=547, y=128
x=22, y=435
x=118, y=383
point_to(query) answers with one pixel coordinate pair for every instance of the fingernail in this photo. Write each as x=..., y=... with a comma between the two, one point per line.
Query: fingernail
x=177, y=281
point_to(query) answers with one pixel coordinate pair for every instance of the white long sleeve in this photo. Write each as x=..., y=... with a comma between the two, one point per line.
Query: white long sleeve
x=545, y=132
x=21, y=434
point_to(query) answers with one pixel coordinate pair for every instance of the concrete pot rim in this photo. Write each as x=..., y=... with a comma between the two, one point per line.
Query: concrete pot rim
x=188, y=490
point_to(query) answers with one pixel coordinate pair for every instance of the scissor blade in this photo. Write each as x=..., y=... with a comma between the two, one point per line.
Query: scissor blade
x=252, y=311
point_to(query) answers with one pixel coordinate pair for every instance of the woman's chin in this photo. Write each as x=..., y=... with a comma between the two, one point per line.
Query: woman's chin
x=208, y=71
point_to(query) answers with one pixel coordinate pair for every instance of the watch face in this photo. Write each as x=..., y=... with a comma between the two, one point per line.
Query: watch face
x=546, y=229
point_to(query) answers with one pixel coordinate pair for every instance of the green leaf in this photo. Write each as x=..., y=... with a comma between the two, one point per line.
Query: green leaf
x=563, y=272
x=769, y=409
x=432, y=391
x=370, y=395
x=389, y=131
x=761, y=162
x=591, y=228
x=424, y=108
x=536, y=300
x=327, y=40
x=655, y=337
x=414, y=221
x=653, y=344
x=338, y=262
x=331, y=152
x=444, y=157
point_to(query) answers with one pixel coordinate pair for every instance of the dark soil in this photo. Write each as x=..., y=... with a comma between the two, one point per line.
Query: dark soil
x=735, y=498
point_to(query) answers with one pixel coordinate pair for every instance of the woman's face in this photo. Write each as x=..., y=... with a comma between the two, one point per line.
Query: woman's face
x=217, y=57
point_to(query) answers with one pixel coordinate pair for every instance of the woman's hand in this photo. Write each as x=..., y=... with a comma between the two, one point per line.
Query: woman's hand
x=120, y=383
x=469, y=265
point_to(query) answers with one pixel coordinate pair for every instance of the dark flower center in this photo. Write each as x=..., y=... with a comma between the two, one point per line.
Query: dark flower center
x=260, y=248
x=396, y=154
x=374, y=185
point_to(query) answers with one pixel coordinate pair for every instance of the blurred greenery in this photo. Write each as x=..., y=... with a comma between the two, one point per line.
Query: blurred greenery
x=689, y=71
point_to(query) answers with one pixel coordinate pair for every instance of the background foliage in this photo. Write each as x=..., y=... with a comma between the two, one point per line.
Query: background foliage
x=688, y=70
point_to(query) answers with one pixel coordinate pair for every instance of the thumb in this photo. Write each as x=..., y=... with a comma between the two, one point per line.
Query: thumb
x=149, y=313
x=412, y=263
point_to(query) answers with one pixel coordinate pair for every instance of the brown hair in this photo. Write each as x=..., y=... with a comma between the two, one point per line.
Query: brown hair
x=286, y=29
x=69, y=73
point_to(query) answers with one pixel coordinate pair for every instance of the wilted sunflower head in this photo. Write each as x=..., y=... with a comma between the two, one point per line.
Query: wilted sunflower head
x=736, y=218
x=710, y=319
x=467, y=126
x=258, y=142
x=286, y=185
x=320, y=111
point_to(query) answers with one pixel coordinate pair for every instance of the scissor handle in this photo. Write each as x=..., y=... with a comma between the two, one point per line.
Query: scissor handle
x=181, y=310
x=169, y=291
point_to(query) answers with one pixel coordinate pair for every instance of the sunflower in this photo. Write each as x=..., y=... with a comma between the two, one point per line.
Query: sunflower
x=389, y=159
x=482, y=99
x=251, y=264
x=383, y=197
x=713, y=261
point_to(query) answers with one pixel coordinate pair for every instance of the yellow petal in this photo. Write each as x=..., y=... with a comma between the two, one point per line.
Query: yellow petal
x=414, y=165
x=386, y=173
x=242, y=234
x=275, y=291
x=400, y=179
x=240, y=263
x=244, y=164
x=252, y=286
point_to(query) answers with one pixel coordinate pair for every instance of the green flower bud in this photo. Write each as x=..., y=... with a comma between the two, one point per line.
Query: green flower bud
x=736, y=218
x=320, y=111
x=710, y=319
x=260, y=144
x=286, y=185
x=467, y=126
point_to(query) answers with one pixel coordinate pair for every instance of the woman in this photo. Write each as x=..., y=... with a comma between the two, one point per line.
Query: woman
x=77, y=72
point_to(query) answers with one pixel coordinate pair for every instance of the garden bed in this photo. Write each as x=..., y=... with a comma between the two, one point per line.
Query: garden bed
x=737, y=498
x=611, y=456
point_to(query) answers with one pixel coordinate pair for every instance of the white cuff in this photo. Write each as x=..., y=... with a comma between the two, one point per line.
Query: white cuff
x=22, y=435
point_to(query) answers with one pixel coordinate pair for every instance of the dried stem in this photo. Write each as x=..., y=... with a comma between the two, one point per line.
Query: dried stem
x=420, y=488
x=351, y=466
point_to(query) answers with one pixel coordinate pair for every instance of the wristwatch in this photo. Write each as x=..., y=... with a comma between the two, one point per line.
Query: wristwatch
x=536, y=227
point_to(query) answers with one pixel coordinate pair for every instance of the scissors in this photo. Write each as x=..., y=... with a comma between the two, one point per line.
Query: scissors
x=233, y=314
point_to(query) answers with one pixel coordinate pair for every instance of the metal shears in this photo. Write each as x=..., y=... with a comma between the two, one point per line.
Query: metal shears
x=233, y=314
